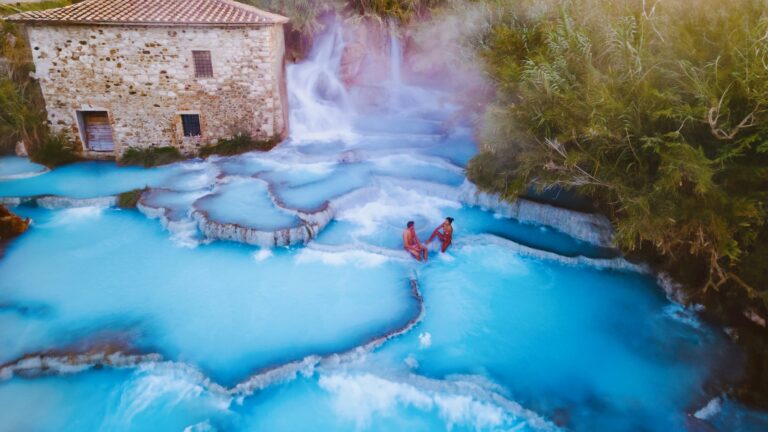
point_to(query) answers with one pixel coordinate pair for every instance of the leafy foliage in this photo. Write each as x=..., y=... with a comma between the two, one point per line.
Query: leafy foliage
x=240, y=143
x=149, y=157
x=54, y=150
x=22, y=114
x=657, y=110
x=22, y=108
x=400, y=10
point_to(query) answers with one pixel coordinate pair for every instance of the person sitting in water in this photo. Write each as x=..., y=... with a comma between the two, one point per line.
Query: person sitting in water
x=446, y=236
x=412, y=244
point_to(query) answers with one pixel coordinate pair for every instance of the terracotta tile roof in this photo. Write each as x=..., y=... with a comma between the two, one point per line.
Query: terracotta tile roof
x=153, y=12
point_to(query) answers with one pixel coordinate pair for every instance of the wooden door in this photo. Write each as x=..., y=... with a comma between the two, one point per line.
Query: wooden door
x=98, y=131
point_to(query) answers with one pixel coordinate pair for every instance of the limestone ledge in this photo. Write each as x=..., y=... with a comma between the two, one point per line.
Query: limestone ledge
x=591, y=228
x=233, y=232
x=311, y=224
x=54, y=202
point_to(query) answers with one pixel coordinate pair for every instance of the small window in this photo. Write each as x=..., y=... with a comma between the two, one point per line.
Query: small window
x=190, y=123
x=203, y=66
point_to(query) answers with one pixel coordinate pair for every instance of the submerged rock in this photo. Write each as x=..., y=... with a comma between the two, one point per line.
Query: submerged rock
x=11, y=225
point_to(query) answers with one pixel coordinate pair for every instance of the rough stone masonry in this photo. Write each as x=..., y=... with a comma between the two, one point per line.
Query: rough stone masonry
x=144, y=77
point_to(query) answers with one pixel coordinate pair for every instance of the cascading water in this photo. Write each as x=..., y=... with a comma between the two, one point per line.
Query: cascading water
x=395, y=55
x=527, y=327
x=319, y=103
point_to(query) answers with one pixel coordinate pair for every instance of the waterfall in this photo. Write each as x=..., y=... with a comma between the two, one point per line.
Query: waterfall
x=395, y=55
x=319, y=102
x=324, y=109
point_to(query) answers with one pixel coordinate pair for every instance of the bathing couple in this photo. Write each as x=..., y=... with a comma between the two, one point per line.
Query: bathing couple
x=411, y=242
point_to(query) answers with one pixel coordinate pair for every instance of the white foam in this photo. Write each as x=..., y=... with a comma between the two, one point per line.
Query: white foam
x=262, y=254
x=682, y=315
x=445, y=256
x=425, y=340
x=165, y=385
x=184, y=233
x=392, y=204
x=711, y=409
x=204, y=426
x=358, y=258
x=76, y=215
x=362, y=397
x=459, y=410
x=411, y=362
x=393, y=161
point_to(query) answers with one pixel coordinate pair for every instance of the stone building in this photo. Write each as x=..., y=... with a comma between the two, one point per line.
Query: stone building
x=118, y=74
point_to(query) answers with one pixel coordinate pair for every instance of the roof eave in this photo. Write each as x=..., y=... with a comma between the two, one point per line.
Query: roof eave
x=139, y=23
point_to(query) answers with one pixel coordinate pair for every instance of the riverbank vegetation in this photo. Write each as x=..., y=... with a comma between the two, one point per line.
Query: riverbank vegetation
x=129, y=199
x=150, y=157
x=22, y=109
x=240, y=143
x=307, y=16
x=658, y=112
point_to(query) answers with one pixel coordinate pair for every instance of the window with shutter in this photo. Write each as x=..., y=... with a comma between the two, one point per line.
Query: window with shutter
x=203, y=66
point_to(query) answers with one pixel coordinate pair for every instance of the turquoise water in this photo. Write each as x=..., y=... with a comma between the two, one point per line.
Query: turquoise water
x=17, y=167
x=518, y=327
x=87, y=180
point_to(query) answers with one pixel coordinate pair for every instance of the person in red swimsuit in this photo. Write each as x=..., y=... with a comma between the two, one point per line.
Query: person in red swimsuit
x=446, y=236
x=412, y=244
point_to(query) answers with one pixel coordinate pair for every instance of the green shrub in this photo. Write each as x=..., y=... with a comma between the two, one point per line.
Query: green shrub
x=129, y=200
x=660, y=114
x=400, y=10
x=149, y=157
x=54, y=150
x=661, y=117
x=22, y=107
x=240, y=143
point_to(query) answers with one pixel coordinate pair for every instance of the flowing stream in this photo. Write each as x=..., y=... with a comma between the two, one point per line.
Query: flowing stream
x=269, y=291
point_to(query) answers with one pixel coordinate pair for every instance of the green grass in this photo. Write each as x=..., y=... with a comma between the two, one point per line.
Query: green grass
x=240, y=143
x=129, y=200
x=149, y=157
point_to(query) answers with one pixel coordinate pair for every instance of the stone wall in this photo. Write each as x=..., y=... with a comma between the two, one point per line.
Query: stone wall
x=145, y=78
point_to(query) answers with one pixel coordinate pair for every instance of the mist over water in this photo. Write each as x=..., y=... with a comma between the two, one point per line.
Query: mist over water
x=517, y=327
